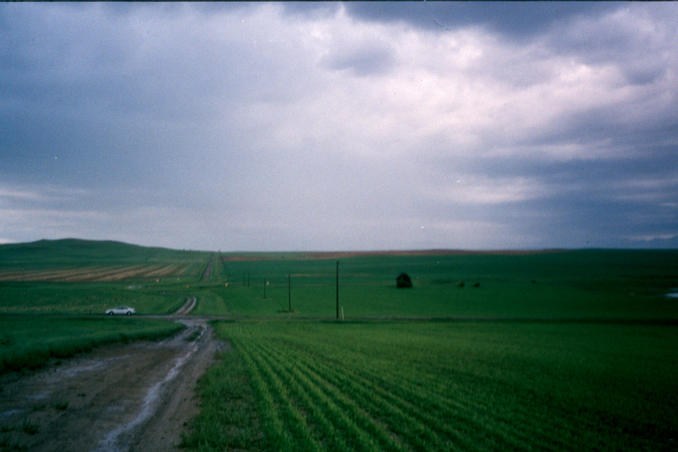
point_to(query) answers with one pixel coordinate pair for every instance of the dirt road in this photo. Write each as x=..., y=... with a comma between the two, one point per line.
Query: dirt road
x=135, y=397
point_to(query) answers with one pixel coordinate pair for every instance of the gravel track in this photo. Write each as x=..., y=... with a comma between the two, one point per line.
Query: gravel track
x=135, y=397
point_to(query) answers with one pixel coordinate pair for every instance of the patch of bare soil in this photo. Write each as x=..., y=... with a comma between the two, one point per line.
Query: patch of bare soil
x=119, y=398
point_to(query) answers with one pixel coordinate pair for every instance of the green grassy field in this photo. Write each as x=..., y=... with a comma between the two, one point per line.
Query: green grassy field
x=87, y=298
x=27, y=342
x=74, y=253
x=572, y=284
x=560, y=350
x=426, y=385
x=44, y=319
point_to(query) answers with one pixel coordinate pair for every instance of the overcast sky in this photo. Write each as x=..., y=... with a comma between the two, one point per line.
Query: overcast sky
x=340, y=126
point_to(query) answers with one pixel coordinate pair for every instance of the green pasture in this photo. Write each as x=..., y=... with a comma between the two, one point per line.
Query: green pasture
x=425, y=385
x=27, y=342
x=88, y=298
x=67, y=253
x=568, y=284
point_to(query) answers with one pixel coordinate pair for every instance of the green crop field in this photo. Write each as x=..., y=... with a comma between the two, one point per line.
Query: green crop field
x=571, y=284
x=423, y=385
x=562, y=350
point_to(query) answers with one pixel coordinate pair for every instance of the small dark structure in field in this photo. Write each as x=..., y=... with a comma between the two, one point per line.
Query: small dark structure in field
x=403, y=281
x=476, y=284
x=461, y=284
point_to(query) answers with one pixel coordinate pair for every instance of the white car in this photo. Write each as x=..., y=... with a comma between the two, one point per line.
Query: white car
x=121, y=310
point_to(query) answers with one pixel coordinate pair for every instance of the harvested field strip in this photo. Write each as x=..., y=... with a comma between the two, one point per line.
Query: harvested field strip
x=114, y=273
x=190, y=269
x=96, y=275
x=79, y=274
x=129, y=272
x=46, y=275
x=165, y=270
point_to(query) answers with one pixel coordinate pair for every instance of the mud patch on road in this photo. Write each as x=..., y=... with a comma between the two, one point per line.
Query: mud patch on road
x=132, y=397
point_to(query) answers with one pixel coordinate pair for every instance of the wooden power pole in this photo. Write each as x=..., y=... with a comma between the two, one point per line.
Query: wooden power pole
x=337, y=290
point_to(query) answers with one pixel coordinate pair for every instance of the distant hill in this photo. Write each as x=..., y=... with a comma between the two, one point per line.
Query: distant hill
x=77, y=252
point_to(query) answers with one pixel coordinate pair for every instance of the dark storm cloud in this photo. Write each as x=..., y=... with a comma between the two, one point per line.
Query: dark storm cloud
x=515, y=19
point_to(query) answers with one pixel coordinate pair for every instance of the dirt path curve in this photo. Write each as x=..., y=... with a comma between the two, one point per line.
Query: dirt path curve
x=135, y=397
x=187, y=307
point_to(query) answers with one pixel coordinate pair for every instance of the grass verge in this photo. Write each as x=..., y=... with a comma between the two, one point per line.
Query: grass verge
x=28, y=342
x=228, y=419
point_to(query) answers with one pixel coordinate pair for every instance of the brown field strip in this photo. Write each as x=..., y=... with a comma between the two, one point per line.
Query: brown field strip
x=96, y=275
x=190, y=269
x=129, y=272
x=165, y=270
x=49, y=275
x=113, y=273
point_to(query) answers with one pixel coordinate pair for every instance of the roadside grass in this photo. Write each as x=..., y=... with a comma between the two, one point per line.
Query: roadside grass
x=429, y=385
x=30, y=341
x=209, y=302
x=567, y=284
x=228, y=419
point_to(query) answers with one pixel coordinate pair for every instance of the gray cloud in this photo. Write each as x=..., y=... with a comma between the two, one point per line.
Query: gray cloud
x=509, y=18
x=324, y=126
x=365, y=60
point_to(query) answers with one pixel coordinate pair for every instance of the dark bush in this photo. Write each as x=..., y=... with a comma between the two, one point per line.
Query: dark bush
x=403, y=281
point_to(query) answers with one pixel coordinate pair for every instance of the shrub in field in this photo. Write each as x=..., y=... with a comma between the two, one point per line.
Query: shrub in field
x=403, y=281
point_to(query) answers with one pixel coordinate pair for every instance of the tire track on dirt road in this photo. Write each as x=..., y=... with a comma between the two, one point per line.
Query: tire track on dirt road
x=187, y=307
x=209, y=269
x=134, y=397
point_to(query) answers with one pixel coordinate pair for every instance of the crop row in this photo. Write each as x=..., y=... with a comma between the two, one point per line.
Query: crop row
x=316, y=403
x=448, y=386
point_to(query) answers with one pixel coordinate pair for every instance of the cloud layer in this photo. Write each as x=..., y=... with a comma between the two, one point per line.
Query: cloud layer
x=325, y=126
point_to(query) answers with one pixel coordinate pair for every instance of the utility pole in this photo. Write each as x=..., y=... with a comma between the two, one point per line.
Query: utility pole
x=337, y=290
x=289, y=292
